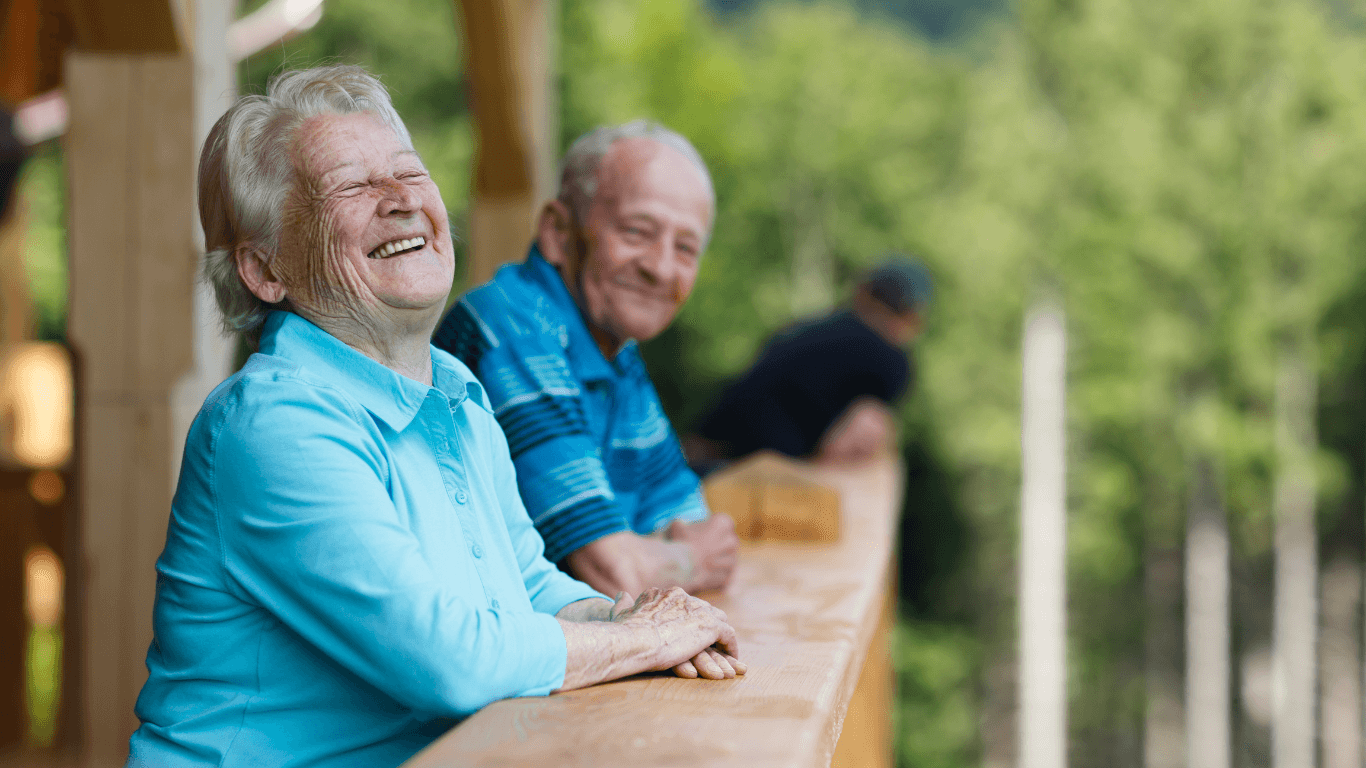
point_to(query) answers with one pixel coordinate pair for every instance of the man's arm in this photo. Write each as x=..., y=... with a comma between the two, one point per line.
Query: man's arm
x=866, y=429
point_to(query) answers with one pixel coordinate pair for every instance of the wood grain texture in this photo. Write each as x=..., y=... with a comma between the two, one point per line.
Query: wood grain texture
x=805, y=614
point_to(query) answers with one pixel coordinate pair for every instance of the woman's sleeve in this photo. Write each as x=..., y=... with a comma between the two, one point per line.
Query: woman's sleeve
x=309, y=532
x=550, y=588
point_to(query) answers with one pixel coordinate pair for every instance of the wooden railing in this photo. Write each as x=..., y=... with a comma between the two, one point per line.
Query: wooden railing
x=812, y=620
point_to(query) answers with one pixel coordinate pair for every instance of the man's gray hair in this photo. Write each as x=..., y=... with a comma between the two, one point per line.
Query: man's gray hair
x=579, y=171
x=246, y=173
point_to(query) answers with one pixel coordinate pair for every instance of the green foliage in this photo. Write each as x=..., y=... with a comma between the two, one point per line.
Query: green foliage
x=42, y=189
x=1180, y=176
x=935, y=717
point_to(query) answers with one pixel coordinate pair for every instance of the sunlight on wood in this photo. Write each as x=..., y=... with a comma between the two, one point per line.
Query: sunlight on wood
x=36, y=390
x=44, y=580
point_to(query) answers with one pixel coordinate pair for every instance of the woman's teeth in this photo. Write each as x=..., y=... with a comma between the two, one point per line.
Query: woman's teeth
x=397, y=246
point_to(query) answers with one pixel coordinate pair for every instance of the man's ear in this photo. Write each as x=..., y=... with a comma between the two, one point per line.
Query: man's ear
x=253, y=267
x=555, y=233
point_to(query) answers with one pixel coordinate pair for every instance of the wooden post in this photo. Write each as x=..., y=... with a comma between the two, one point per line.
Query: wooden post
x=1043, y=544
x=510, y=75
x=866, y=738
x=16, y=306
x=131, y=160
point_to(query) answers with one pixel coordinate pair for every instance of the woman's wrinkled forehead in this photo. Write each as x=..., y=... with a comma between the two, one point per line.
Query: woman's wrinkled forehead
x=327, y=147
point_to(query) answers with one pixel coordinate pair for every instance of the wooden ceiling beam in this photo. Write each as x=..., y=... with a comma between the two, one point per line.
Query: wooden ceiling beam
x=125, y=26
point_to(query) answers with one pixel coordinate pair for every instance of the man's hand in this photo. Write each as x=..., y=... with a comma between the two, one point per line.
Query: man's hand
x=695, y=556
x=714, y=548
x=625, y=562
x=866, y=429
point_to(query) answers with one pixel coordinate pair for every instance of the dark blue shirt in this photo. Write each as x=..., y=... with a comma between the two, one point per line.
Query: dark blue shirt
x=805, y=377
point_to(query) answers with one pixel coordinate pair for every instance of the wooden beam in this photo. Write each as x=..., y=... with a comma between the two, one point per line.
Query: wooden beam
x=509, y=75
x=34, y=35
x=128, y=26
x=130, y=155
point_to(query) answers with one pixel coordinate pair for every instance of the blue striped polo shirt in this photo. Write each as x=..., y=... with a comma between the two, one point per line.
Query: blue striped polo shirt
x=594, y=452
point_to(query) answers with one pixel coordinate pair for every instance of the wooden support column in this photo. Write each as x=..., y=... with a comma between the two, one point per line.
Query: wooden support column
x=508, y=65
x=130, y=153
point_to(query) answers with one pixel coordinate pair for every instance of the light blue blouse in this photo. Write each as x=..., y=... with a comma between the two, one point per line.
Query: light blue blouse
x=348, y=570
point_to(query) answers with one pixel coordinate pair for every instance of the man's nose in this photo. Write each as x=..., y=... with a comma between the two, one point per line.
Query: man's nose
x=660, y=261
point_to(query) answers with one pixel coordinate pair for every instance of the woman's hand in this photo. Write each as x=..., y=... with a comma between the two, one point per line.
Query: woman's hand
x=661, y=629
x=680, y=620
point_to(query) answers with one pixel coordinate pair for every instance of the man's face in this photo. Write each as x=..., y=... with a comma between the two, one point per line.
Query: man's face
x=633, y=261
x=360, y=197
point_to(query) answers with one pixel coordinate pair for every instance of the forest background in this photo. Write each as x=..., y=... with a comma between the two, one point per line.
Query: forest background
x=1182, y=177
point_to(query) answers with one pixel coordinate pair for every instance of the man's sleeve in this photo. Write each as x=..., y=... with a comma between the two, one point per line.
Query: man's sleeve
x=539, y=404
x=549, y=588
x=309, y=533
x=669, y=489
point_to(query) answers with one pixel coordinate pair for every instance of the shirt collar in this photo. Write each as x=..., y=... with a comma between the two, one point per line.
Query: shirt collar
x=390, y=396
x=585, y=358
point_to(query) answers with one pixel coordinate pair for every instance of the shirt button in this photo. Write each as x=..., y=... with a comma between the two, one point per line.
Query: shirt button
x=477, y=550
x=495, y=603
x=461, y=497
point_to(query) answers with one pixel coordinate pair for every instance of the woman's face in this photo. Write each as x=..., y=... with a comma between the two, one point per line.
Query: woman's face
x=364, y=240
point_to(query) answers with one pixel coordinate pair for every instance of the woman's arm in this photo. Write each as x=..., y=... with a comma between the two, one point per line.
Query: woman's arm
x=659, y=630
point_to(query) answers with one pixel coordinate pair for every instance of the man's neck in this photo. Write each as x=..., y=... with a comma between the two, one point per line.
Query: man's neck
x=608, y=343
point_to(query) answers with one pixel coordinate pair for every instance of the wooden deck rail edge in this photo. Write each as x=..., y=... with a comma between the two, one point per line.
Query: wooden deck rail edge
x=806, y=616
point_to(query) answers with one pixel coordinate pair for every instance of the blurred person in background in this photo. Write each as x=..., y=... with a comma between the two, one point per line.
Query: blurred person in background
x=554, y=341
x=823, y=389
x=349, y=570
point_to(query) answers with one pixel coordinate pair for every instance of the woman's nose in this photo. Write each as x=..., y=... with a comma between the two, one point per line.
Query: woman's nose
x=399, y=198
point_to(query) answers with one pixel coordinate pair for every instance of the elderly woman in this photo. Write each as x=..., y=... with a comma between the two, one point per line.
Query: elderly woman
x=348, y=569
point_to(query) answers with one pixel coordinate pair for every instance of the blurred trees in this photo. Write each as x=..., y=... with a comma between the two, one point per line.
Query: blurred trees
x=1183, y=175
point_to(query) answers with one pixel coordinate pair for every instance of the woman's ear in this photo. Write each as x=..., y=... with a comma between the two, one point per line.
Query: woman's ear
x=253, y=267
x=555, y=233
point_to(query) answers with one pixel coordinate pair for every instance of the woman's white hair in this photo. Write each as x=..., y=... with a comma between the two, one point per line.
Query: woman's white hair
x=245, y=172
x=579, y=170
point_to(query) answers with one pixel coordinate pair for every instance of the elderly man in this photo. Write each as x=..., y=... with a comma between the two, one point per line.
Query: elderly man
x=554, y=341
x=349, y=569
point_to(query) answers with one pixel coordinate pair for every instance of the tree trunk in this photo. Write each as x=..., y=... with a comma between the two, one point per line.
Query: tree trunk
x=1340, y=667
x=1295, y=627
x=1043, y=545
x=1163, y=734
x=1207, y=622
